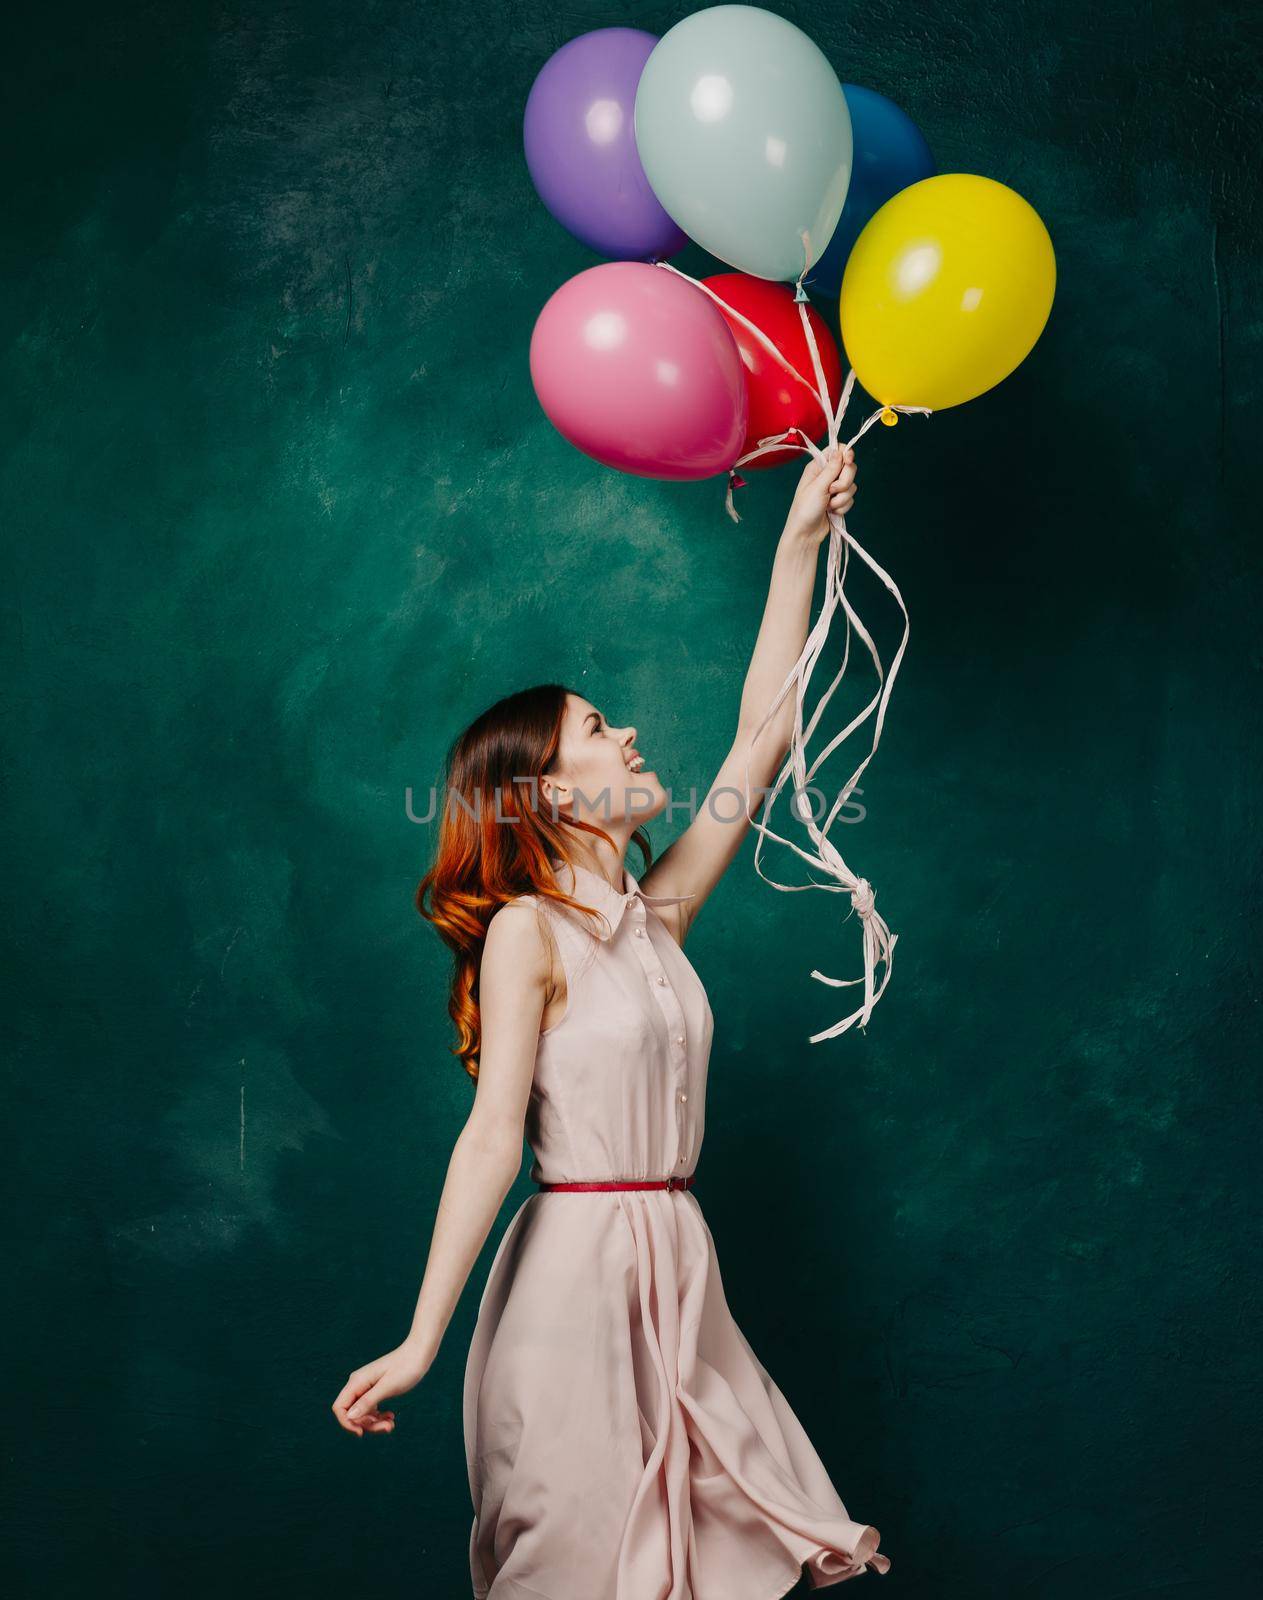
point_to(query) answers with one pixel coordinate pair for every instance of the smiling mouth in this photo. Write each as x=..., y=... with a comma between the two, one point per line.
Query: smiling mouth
x=636, y=763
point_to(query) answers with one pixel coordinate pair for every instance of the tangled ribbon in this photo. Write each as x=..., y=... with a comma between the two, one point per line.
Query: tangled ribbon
x=879, y=942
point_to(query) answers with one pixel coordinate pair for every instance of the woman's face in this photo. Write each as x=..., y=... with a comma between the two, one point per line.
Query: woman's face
x=598, y=775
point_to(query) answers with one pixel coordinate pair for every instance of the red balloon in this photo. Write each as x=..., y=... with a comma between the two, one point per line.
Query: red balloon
x=778, y=401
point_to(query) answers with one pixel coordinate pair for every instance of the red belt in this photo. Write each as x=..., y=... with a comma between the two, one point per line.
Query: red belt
x=645, y=1183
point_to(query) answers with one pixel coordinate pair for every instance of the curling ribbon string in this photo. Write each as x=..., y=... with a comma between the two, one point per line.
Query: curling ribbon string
x=878, y=941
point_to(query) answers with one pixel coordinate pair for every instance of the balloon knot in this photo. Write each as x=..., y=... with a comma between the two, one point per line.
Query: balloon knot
x=889, y=417
x=738, y=482
x=800, y=294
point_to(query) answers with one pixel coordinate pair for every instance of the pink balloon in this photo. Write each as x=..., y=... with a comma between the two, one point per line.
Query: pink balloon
x=639, y=369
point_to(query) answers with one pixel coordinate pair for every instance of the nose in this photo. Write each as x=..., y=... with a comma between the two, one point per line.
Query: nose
x=630, y=736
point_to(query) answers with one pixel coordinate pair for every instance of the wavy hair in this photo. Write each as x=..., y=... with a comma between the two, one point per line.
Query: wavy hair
x=498, y=839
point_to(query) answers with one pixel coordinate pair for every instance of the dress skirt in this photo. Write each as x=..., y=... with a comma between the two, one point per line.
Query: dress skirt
x=623, y=1440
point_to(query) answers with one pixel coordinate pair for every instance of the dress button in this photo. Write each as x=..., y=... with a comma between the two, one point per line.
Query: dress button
x=679, y=1038
x=683, y=1096
x=640, y=933
x=661, y=979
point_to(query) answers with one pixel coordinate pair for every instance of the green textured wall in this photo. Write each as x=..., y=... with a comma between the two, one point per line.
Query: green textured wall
x=281, y=513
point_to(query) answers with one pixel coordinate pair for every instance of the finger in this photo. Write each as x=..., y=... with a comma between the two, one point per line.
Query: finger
x=810, y=468
x=349, y=1394
x=368, y=1402
x=829, y=462
x=351, y=1390
x=841, y=486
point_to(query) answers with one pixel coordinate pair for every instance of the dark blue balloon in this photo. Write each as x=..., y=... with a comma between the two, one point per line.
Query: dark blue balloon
x=890, y=153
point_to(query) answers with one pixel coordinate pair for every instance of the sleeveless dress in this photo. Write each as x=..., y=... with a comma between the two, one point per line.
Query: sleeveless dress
x=623, y=1440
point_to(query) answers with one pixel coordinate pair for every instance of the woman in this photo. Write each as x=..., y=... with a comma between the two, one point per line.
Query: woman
x=623, y=1441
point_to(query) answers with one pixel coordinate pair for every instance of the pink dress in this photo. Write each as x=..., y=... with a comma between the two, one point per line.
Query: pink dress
x=623, y=1440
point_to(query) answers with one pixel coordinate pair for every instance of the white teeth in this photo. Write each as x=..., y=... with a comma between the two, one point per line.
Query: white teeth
x=637, y=763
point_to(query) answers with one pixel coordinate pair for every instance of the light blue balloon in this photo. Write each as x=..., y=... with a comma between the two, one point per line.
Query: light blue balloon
x=744, y=134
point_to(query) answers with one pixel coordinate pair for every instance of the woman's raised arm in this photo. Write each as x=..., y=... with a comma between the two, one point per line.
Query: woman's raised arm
x=695, y=862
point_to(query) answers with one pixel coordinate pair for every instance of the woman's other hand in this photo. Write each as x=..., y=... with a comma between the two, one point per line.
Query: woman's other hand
x=357, y=1407
x=824, y=487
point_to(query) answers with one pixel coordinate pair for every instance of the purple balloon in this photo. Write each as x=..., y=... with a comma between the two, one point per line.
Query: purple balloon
x=580, y=138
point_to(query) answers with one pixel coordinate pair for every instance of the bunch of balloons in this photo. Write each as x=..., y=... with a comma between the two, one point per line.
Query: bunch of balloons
x=733, y=130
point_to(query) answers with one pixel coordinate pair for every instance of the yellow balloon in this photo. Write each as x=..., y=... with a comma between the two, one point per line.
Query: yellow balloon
x=946, y=291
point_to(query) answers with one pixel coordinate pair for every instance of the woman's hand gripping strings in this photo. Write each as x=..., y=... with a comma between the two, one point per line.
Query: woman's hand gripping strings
x=827, y=485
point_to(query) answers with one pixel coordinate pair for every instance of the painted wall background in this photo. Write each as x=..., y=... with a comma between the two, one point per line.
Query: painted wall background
x=281, y=514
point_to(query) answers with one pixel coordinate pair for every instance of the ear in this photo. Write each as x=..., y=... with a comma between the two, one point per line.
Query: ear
x=552, y=792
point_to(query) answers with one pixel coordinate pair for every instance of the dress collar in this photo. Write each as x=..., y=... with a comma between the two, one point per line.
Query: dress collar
x=595, y=889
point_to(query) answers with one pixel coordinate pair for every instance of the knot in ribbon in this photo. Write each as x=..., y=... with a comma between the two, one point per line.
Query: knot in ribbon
x=863, y=899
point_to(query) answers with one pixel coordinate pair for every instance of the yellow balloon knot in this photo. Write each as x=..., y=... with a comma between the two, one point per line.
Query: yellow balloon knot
x=889, y=417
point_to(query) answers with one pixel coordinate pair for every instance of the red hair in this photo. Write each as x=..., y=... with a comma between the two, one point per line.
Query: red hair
x=497, y=839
